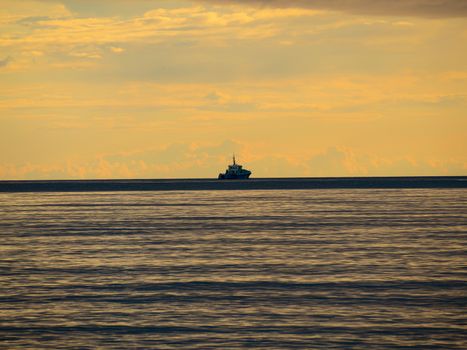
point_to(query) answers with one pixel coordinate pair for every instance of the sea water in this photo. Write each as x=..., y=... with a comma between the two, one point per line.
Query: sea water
x=280, y=269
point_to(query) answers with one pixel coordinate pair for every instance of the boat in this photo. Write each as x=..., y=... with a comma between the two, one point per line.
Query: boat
x=235, y=171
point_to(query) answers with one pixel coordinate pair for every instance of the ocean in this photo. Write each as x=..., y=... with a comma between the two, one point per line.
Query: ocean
x=335, y=268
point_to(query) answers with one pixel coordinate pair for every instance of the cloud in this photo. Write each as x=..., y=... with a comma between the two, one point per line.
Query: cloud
x=218, y=43
x=191, y=160
x=5, y=61
x=116, y=49
x=338, y=161
x=155, y=26
x=32, y=20
x=277, y=166
x=176, y=160
x=415, y=8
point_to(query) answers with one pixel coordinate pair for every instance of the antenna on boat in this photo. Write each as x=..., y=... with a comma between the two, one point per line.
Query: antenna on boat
x=234, y=159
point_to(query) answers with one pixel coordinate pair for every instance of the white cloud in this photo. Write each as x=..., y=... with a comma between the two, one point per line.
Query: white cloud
x=116, y=49
x=188, y=160
x=338, y=161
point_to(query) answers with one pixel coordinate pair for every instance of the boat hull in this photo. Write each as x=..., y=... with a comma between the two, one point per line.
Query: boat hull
x=234, y=176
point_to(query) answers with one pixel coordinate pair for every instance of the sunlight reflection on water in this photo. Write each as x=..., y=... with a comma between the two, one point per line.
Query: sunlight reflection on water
x=263, y=269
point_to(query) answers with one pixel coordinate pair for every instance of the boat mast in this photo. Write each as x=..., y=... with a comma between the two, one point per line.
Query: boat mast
x=233, y=159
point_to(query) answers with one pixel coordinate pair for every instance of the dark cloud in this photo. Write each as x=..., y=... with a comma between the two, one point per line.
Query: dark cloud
x=32, y=20
x=413, y=8
x=4, y=62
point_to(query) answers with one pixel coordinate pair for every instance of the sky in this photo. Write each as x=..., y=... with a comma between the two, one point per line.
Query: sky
x=171, y=89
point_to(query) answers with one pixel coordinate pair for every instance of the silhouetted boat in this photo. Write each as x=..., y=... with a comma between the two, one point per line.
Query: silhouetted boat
x=235, y=171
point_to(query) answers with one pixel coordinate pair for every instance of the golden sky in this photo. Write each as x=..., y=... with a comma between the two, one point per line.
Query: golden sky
x=168, y=88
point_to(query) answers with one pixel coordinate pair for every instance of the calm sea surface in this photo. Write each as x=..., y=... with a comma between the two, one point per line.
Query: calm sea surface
x=305, y=269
